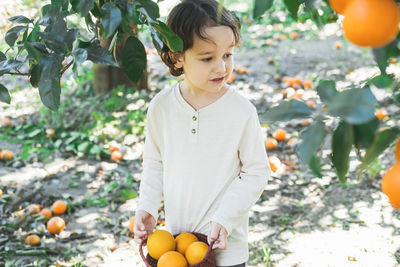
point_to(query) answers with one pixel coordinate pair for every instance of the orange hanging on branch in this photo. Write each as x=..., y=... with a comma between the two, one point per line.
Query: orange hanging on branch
x=371, y=23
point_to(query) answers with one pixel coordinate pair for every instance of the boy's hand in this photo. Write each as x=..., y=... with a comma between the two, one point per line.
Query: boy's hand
x=218, y=234
x=144, y=224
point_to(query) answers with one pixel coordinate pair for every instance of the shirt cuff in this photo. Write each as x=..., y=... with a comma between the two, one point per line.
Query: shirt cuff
x=147, y=208
x=224, y=223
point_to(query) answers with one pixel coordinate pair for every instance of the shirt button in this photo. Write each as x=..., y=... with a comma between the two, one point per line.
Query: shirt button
x=193, y=131
x=194, y=118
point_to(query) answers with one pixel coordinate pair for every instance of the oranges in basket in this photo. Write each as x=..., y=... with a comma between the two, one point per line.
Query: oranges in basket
x=182, y=250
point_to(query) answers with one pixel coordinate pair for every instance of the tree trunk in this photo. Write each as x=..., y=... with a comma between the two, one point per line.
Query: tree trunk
x=107, y=78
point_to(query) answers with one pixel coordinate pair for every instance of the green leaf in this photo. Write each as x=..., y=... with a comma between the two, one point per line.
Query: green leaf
x=151, y=9
x=10, y=64
x=57, y=37
x=82, y=6
x=62, y=3
x=35, y=133
x=355, y=106
x=326, y=90
x=260, y=6
x=157, y=40
x=51, y=13
x=126, y=194
x=286, y=110
x=112, y=185
x=133, y=58
x=381, y=81
x=4, y=95
x=315, y=166
x=382, y=55
x=293, y=7
x=35, y=75
x=2, y=56
x=20, y=19
x=101, y=56
x=364, y=134
x=173, y=41
x=111, y=19
x=32, y=51
x=342, y=142
x=49, y=83
x=311, y=139
x=13, y=33
x=83, y=147
x=383, y=139
x=80, y=55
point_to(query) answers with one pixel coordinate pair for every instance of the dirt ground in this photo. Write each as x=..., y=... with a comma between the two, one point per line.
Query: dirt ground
x=300, y=219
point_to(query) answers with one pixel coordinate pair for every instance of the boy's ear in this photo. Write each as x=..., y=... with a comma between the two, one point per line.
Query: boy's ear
x=177, y=58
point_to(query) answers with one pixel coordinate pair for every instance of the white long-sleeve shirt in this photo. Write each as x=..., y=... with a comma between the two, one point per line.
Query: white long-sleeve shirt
x=208, y=165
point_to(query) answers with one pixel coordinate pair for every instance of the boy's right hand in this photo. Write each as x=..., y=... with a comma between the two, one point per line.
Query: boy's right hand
x=144, y=224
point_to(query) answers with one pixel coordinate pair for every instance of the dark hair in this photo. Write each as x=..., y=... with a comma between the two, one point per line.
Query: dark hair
x=189, y=18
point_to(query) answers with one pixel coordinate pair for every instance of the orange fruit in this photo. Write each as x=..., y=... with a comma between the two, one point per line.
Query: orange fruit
x=55, y=225
x=277, y=78
x=271, y=143
x=274, y=162
x=391, y=185
x=310, y=104
x=131, y=223
x=381, y=114
x=393, y=60
x=172, y=259
x=294, y=35
x=307, y=84
x=1, y=192
x=271, y=60
x=196, y=252
x=291, y=141
x=183, y=240
x=371, y=23
x=116, y=156
x=339, y=5
x=299, y=93
x=338, y=45
x=59, y=207
x=113, y=148
x=280, y=135
x=32, y=240
x=50, y=133
x=231, y=78
x=159, y=242
x=242, y=70
x=282, y=37
x=269, y=42
x=46, y=213
x=305, y=122
x=297, y=80
x=7, y=155
x=397, y=150
x=33, y=209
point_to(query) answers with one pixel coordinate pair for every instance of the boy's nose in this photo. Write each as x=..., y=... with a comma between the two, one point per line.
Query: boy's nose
x=220, y=67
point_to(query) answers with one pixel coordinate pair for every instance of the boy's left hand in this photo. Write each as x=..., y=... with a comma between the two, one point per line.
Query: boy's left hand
x=218, y=234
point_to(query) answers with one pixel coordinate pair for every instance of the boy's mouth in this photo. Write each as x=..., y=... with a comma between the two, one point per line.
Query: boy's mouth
x=218, y=80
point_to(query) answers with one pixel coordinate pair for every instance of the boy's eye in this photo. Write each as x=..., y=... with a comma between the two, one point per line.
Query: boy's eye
x=228, y=55
x=207, y=59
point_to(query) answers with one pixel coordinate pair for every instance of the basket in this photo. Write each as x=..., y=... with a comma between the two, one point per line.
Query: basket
x=208, y=261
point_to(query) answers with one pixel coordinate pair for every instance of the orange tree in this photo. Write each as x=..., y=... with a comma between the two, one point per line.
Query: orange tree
x=367, y=23
x=48, y=45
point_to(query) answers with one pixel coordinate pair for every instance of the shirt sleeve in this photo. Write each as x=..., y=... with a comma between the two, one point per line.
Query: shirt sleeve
x=151, y=185
x=245, y=189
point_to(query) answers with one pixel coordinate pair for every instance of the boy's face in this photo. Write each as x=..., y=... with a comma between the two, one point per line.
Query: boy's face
x=209, y=63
